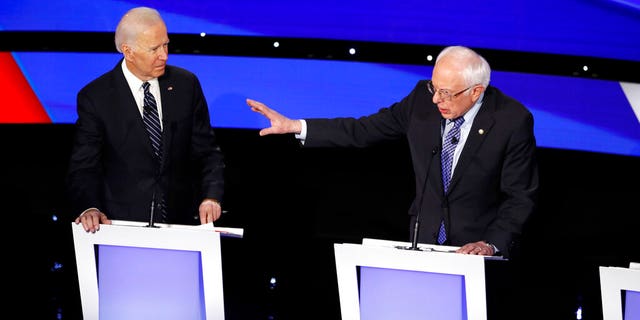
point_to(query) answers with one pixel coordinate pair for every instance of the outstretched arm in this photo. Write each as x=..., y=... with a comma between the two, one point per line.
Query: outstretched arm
x=279, y=123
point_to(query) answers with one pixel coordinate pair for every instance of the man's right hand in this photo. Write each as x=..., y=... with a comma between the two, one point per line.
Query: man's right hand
x=91, y=220
x=279, y=123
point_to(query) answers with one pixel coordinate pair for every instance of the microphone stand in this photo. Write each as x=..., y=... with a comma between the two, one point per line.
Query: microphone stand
x=416, y=223
x=416, y=228
x=153, y=207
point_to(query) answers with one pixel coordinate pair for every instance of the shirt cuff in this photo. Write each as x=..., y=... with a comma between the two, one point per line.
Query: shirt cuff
x=495, y=249
x=303, y=131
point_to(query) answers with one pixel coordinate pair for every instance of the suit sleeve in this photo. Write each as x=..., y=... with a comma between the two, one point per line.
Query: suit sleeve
x=205, y=148
x=84, y=172
x=388, y=123
x=519, y=186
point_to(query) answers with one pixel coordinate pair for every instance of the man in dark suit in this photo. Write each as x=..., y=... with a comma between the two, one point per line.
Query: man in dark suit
x=494, y=177
x=114, y=171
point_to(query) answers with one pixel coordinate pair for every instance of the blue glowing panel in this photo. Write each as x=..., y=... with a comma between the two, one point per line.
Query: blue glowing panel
x=403, y=294
x=632, y=305
x=577, y=113
x=598, y=28
x=143, y=283
x=570, y=113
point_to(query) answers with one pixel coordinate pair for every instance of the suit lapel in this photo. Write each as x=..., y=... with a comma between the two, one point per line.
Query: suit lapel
x=433, y=148
x=125, y=106
x=481, y=126
x=169, y=102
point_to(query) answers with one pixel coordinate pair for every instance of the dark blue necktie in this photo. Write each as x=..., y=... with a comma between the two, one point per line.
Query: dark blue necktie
x=448, y=148
x=151, y=121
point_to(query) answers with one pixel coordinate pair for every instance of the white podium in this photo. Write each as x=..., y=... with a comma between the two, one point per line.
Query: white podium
x=620, y=290
x=129, y=271
x=377, y=280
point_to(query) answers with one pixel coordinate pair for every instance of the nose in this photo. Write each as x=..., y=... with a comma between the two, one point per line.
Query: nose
x=164, y=54
x=436, y=98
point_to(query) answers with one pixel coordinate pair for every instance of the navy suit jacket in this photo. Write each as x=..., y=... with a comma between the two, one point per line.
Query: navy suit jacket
x=112, y=166
x=493, y=190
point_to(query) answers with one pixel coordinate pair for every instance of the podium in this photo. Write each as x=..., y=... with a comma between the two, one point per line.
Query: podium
x=129, y=271
x=620, y=290
x=380, y=279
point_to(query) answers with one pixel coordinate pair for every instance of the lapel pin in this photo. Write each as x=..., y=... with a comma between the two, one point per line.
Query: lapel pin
x=170, y=88
x=481, y=131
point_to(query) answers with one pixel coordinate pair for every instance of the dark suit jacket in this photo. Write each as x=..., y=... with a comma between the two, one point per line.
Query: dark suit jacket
x=493, y=190
x=112, y=166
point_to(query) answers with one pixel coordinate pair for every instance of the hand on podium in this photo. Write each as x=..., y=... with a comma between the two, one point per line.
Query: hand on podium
x=91, y=219
x=210, y=210
x=478, y=248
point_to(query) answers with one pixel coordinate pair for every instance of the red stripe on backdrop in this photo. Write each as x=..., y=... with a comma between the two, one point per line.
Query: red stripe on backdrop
x=18, y=102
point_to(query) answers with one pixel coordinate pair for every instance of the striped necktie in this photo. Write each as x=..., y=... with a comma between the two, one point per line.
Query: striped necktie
x=448, y=148
x=152, y=121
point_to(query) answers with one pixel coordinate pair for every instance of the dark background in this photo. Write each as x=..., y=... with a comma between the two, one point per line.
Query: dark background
x=294, y=203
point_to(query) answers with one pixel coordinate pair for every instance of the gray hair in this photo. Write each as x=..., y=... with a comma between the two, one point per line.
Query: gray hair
x=134, y=22
x=476, y=69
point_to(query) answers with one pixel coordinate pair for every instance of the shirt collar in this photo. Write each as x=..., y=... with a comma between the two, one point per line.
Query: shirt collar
x=135, y=84
x=471, y=113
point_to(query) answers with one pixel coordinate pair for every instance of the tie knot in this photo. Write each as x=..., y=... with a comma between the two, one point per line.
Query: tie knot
x=458, y=121
x=145, y=86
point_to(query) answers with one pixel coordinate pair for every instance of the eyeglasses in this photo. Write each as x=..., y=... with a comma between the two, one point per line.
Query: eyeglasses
x=445, y=95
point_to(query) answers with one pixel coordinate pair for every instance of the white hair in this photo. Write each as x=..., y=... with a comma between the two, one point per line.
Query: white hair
x=134, y=22
x=476, y=69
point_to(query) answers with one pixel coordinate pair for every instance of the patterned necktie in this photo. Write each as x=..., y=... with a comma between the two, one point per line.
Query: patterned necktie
x=448, y=148
x=152, y=121
x=152, y=124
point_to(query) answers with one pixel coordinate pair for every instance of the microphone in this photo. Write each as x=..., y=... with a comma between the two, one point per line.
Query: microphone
x=153, y=209
x=416, y=222
x=454, y=140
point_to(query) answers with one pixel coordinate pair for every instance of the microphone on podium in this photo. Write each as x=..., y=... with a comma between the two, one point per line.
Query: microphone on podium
x=416, y=222
x=152, y=211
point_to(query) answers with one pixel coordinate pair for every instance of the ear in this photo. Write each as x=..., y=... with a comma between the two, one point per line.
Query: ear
x=476, y=91
x=127, y=51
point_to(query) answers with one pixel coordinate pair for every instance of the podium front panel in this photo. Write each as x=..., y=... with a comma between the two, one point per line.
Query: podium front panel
x=130, y=271
x=632, y=305
x=620, y=290
x=382, y=282
x=160, y=283
x=406, y=294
